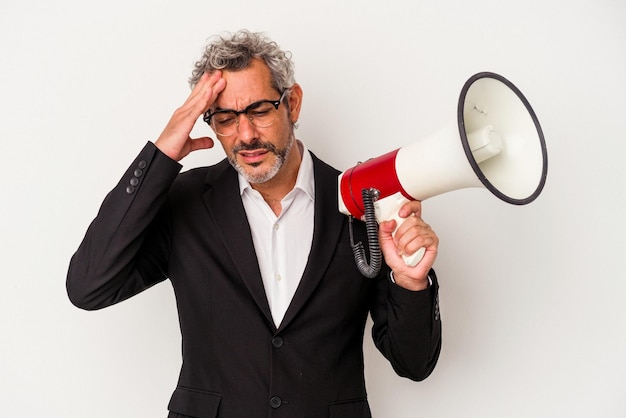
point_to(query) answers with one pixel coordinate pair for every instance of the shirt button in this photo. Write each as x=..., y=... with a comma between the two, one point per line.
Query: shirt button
x=276, y=226
x=278, y=277
x=277, y=342
x=276, y=402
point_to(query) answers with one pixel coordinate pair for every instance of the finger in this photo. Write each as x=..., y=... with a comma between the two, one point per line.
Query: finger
x=411, y=207
x=414, y=234
x=409, y=223
x=212, y=93
x=387, y=241
x=196, y=105
x=421, y=241
x=207, y=80
x=205, y=92
x=201, y=143
x=387, y=227
x=197, y=90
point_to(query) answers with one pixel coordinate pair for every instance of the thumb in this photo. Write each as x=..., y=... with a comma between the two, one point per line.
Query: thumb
x=387, y=241
x=203, y=142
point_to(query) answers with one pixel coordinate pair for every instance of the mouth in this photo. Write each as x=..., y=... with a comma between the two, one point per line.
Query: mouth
x=258, y=162
x=253, y=154
x=253, y=157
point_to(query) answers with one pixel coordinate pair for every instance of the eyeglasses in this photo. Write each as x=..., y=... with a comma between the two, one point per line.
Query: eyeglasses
x=261, y=114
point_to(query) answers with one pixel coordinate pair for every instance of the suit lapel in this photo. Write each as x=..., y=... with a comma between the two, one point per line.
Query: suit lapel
x=224, y=204
x=326, y=231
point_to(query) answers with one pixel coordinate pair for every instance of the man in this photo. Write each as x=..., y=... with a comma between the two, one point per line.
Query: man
x=272, y=308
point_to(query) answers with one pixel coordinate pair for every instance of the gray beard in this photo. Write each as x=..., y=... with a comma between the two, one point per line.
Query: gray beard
x=255, y=178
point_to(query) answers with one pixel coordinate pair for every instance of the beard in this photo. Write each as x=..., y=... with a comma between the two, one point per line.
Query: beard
x=254, y=177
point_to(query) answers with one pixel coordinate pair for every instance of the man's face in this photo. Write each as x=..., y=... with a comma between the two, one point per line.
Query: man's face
x=257, y=153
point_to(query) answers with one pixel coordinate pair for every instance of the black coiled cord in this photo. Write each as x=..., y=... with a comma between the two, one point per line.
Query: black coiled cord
x=372, y=269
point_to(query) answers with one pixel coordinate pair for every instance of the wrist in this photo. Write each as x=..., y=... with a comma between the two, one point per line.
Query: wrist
x=410, y=283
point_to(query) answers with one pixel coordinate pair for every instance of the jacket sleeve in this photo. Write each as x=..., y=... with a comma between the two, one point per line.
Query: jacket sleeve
x=407, y=327
x=125, y=248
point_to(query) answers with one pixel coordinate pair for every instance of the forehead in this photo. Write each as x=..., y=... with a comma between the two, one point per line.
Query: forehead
x=246, y=86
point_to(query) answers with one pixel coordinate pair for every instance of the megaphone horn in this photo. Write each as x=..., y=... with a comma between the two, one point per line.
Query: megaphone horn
x=495, y=142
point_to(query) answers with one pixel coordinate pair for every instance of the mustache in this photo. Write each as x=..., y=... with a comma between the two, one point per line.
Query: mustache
x=253, y=146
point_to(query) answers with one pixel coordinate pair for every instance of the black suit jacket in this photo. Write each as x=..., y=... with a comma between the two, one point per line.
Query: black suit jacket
x=192, y=228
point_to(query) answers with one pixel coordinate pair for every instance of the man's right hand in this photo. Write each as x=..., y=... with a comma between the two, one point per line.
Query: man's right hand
x=175, y=141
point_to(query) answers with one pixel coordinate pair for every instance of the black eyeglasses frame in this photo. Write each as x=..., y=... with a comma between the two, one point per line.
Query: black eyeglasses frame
x=208, y=114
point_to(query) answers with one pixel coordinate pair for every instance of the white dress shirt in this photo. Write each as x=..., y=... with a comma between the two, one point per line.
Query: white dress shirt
x=282, y=243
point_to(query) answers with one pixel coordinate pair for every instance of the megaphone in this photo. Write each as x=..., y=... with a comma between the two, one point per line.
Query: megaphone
x=495, y=142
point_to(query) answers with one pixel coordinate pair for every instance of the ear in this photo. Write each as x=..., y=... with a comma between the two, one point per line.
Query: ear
x=295, y=102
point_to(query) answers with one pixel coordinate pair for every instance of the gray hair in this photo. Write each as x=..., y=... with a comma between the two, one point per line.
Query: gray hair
x=234, y=52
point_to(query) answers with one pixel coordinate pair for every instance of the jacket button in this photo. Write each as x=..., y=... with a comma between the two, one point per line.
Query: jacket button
x=142, y=164
x=134, y=181
x=276, y=402
x=130, y=190
x=138, y=172
x=277, y=342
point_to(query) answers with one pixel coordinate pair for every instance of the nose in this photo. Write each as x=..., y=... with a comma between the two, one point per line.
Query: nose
x=245, y=129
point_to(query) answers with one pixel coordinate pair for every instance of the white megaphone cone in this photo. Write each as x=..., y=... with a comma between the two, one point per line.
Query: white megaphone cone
x=496, y=142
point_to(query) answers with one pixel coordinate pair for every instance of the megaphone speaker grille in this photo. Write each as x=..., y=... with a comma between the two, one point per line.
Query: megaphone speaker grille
x=512, y=160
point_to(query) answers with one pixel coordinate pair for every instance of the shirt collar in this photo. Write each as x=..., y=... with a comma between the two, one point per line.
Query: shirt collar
x=305, y=180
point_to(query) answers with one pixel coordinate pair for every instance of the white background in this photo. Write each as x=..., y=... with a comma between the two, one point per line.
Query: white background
x=532, y=297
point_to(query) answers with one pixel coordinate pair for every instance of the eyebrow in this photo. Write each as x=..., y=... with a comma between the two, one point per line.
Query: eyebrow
x=220, y=109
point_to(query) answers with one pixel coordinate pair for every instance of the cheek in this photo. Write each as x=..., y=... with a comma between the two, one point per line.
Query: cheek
x=284, y=130
x=277, y=134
